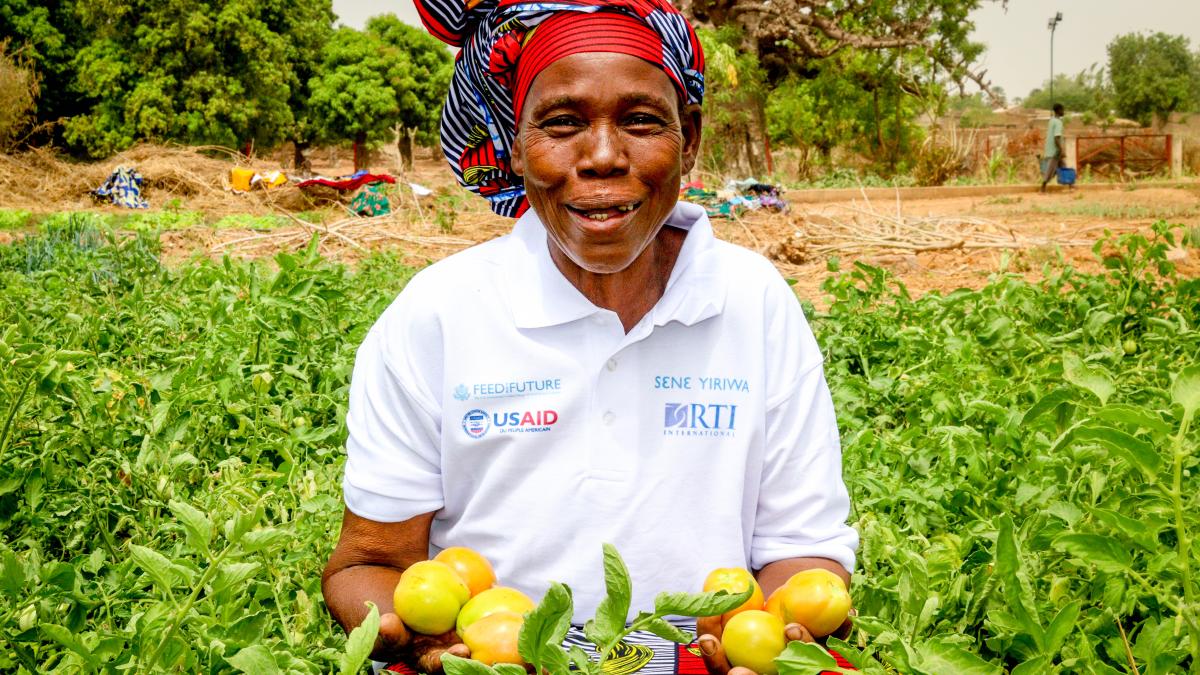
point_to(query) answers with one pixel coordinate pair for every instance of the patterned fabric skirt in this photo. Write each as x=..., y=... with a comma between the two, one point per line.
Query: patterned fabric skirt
x=642, y=653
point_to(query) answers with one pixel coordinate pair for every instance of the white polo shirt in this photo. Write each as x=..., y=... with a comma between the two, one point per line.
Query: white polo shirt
x=493, y=393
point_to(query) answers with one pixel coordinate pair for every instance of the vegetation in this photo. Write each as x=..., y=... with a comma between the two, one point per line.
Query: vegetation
x=1021, y=460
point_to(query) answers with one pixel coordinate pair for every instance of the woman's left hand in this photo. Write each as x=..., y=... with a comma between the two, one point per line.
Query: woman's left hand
x=708, y=630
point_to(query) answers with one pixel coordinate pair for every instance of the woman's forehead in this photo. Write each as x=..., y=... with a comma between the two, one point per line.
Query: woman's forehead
x=601, y=78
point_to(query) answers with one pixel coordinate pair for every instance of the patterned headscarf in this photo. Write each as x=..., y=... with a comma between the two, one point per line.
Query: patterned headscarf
x=491, y=79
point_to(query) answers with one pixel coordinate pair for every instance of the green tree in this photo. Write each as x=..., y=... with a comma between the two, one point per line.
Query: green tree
x=49, y=34
x=420, y=88
x=1088, y=91
x=199, y=72
x=1152, y=75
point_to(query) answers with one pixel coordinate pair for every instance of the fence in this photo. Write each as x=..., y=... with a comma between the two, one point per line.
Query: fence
x=1133, y=153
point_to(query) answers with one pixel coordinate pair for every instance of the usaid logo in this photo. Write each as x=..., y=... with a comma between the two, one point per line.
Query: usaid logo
x=699, y=419
x=476, y=423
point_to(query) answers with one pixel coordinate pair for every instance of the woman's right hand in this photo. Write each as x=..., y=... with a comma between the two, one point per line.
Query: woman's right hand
x=421, y=652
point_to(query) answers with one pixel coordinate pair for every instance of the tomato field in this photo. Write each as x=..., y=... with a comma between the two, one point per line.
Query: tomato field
x=1022, y=459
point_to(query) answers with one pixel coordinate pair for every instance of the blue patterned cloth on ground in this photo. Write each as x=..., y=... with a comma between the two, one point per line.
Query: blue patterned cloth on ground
x=123, y=187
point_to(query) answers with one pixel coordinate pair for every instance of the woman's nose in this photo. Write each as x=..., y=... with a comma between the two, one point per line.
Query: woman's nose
x=604, y=152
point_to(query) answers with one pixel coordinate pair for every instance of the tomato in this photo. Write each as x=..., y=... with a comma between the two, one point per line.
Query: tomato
x=752, y=639
x=493, y=639
x=440, y=574
x=474, y=569
x=425, y=606
x=498, y=599
x=734, y=580
x=816, y=599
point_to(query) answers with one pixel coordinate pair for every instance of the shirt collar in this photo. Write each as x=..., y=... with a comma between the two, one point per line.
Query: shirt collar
x=540, y=296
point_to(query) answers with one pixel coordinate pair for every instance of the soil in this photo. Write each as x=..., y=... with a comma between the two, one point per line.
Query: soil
x=928, y=244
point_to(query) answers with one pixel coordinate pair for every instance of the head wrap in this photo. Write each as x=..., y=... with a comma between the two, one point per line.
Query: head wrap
x=506, y=43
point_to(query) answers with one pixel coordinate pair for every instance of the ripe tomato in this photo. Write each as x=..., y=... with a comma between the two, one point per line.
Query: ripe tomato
x=474, y=569
x=752, y=639
x=493, y=639
x=498, y=599
x=816, y=599
x=734, y=580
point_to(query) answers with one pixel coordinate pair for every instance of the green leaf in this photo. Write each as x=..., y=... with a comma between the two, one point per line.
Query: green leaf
x=668, y=631
x=583, y=662
x=1138, y=418
x=1035, y=666
x=1106, y=553
x=542, y=633
x=613, y=610
x=232, y=575
x=360, y=642
x=70, y=640
x=939, y=657
x=1008, y=564
x=196, y=525
x=711, y=603
x=155, y=564
x=1047, y=403
x=508, y=669
x=256, y=660
x=1186, y=390
x=1087, y=377
x=1060, y=627
x=1138, y=453
x=263, y=540
x=805, y=658
x=456, y=665
x=12, y=573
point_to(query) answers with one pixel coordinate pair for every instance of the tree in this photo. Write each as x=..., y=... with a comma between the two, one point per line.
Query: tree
x=1087, y=92
x=420, y=88
x=1152, y=75
x=48, y=34
x=199, y=72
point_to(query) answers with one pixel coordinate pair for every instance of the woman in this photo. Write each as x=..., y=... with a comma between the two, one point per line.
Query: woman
x=609, y=372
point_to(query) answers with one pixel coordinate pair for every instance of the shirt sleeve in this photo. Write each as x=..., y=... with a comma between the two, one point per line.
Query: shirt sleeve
x=803, y=503
x=393, y=463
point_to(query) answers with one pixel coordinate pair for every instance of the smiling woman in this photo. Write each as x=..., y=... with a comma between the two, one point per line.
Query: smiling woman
x=581, y=118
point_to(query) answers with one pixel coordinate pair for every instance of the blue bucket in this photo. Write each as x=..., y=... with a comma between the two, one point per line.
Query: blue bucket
x=1066, y=176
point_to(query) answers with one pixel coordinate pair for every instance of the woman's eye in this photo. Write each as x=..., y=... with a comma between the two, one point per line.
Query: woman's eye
x=643, y=120
x=560, y=122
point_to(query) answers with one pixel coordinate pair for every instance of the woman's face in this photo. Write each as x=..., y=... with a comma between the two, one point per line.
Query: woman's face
x=602, y=143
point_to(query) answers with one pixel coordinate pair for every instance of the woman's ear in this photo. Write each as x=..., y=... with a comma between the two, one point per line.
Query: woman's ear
x=691, y=121
x=517, y=161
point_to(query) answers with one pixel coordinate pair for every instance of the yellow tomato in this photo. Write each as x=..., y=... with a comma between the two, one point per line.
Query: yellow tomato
x=498, y=599
x=474, y=569
x=734, y=580
x=752, y=639
x=425, y=606
x=493, y=639
x=816, y=599
x=441, y=574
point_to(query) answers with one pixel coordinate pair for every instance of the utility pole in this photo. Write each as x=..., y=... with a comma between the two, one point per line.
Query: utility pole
x=1054, y=21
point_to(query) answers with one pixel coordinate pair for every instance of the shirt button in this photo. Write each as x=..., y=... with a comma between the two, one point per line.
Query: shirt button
x=609, y=417
x=611, y=365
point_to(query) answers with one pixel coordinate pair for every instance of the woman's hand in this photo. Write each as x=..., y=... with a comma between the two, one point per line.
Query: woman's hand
x=422, y=652
x=708, y=628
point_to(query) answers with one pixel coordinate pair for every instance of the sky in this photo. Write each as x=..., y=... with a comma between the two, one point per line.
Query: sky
x=1017, y=39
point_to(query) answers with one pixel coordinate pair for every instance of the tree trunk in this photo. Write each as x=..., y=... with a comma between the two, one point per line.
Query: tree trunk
x=404, y=144
x=360, y=158
x=300, y=163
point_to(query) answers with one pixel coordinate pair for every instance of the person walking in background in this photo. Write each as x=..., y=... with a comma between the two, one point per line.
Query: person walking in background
x=1052, y=157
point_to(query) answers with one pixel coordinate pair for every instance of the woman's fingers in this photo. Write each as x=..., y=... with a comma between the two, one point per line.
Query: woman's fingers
x=794, y=631
x=709, y=625
x=713, y=654
x=741, y=671
x=843, y=631
x=393, y=636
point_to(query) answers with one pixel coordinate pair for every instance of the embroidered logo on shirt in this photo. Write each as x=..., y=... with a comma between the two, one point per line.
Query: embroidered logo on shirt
x=476, y=423
x=461, y=393
x=699, y=419
x=511, y=388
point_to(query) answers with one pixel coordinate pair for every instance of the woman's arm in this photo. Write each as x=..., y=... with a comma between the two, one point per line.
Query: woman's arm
x=366, y=565
x=775, y=574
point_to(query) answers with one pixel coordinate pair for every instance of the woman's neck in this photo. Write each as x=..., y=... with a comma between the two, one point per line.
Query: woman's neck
x=633, y=291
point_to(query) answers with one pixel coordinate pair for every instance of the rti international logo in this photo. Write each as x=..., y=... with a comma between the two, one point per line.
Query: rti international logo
x=477, y=423
x=699, y=419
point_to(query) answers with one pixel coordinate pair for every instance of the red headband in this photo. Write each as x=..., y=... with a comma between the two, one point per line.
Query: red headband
x=570, y=33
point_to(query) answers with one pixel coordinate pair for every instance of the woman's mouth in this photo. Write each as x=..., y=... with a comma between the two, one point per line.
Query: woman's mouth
x=603, y=213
